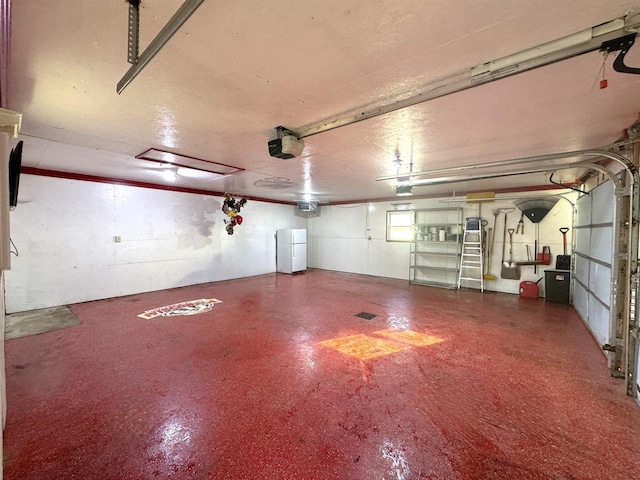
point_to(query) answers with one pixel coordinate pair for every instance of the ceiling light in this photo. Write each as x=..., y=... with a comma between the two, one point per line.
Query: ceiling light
x=178, y=160
x=404, y=190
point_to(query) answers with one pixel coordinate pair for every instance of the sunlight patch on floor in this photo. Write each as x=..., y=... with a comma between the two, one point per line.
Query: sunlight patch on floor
x=365, y=347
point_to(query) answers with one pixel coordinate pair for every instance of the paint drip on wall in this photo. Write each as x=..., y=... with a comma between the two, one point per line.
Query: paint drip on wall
x=192, y=307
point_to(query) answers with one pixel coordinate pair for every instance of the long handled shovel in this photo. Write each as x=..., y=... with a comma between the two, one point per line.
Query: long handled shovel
x=510, y=270
x=563, y=262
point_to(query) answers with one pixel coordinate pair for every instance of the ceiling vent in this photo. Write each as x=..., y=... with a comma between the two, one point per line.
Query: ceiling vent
x=404, y=190
x=275, y=183
x=307, y=206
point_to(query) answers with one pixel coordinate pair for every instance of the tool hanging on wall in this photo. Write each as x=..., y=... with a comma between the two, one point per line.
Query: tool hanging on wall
x=536, y=209
x=488, y=275
x=492, y=242
x=563, y=262
x=535, y=251
x=510, y=270
x=520, y=228
x=545, y=256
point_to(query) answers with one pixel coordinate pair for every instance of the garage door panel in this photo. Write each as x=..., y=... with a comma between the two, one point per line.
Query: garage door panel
x=582, y=269
x=583, y=240
x=601, y=244
x=583, y=215
x=581, y=301
x=600, y=281
x=599, y=321
x=602, y=204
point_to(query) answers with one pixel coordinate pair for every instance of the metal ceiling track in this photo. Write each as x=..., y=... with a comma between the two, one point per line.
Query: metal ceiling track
x=618, y=34
x=173, y=25
x=594, y=153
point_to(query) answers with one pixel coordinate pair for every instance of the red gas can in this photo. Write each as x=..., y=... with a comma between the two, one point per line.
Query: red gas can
x=529, y=289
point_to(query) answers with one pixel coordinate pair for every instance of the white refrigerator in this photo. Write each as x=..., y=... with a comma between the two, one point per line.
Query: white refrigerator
x=291, y=250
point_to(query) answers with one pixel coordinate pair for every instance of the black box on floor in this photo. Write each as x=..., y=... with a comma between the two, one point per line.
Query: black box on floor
x=556, y=285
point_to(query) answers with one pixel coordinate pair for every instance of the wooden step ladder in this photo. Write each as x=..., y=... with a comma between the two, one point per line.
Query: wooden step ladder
x=471, y=262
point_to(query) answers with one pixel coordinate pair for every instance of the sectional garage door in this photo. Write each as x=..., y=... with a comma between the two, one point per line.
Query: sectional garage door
x=593, y=259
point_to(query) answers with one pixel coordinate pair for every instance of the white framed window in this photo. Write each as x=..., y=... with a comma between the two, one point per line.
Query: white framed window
x=399, y=226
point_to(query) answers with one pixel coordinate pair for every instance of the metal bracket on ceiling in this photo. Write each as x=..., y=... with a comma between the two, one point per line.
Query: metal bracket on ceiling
x=173, y=25
x=283, y=132
x=134, y=31
x=622, y=44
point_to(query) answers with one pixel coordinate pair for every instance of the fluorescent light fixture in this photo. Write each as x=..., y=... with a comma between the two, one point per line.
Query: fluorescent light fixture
x=214, y=169
x=404, y=190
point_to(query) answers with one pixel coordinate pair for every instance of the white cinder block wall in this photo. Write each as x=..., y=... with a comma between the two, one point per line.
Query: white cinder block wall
x=352, y=238
x=65, y=236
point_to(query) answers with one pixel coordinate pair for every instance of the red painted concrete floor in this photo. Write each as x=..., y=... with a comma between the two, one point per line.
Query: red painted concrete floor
x=440, y=385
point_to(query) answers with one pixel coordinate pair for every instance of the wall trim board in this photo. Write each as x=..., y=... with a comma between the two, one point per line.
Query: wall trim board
x=134, y=183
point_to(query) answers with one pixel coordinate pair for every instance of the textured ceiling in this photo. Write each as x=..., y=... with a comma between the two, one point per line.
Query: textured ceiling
x=236, y=69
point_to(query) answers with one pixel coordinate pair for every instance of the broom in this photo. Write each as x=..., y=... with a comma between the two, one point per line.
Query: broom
x=488, y=275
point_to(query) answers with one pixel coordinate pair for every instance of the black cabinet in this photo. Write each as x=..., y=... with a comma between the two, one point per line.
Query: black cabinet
x=557, y=284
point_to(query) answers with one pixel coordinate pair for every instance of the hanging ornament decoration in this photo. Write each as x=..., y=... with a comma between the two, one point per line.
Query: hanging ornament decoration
x=231, y=208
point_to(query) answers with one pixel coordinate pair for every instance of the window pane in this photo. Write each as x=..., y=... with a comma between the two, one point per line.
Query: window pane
x=399, y=226
x=400, y=219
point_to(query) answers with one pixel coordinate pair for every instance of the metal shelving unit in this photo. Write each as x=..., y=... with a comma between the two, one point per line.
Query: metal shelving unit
x=436, y=247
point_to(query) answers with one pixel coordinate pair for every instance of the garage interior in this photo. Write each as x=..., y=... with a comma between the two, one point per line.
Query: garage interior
x=400, y=136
